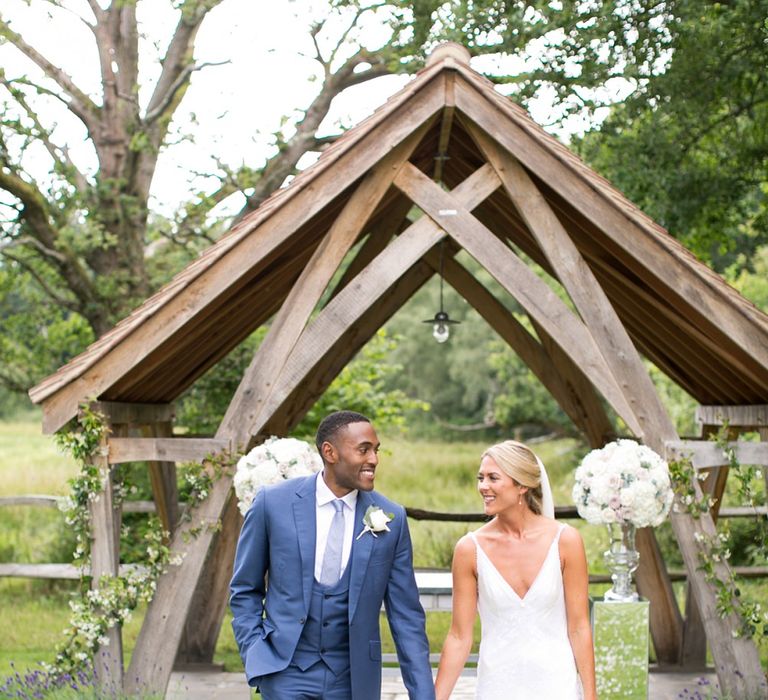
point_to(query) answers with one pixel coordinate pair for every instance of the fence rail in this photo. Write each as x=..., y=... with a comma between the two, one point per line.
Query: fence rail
x=435, y=584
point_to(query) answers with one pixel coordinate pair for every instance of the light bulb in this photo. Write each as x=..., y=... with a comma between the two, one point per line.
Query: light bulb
x=440, y=331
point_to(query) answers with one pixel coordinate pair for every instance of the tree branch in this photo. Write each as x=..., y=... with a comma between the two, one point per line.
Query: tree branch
x=178, y=56
x=180, y=81
x=59, y=155
x=55, y=297
x=81, y=105
x=35, y=214
x=98, y=13
x=29, y=240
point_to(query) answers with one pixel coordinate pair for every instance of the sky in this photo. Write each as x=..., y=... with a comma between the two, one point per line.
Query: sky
x=232, y=109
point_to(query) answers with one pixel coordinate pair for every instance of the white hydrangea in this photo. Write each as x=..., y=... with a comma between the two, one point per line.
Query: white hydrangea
x=272, y=461
x=623, y=482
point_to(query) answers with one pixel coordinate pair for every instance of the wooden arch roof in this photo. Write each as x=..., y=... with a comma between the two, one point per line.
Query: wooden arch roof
x=677, y=312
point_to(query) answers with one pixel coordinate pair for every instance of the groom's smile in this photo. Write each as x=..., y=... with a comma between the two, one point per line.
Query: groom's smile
x=351, y=459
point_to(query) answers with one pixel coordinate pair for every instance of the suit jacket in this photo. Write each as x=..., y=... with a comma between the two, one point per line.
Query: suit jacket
x=277, y=542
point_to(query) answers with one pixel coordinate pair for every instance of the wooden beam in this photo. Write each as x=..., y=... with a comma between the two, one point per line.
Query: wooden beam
x=577, y=278
x=175, y=449
x=737, y=659
x=245, y=248
x=317, y=380
x=258, y=380
x=694, y=650
x=162, y=477
x=706, y=453
x=135, y=413
x=524, y=344
x=656, y=253
x=533, y=294
x=65, y=572
x=743, y=417
x=203, y=623
x=445, y=127
x=394, y=222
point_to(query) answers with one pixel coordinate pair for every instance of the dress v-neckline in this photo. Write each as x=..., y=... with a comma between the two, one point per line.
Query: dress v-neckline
x=538, y=573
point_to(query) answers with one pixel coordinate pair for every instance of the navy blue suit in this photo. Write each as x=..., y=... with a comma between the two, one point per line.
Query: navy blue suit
x=277, y=543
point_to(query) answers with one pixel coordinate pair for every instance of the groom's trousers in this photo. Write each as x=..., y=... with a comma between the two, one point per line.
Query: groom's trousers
x=315, y=683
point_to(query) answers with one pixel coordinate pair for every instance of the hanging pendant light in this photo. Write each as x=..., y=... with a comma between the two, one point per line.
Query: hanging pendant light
x=441, y=323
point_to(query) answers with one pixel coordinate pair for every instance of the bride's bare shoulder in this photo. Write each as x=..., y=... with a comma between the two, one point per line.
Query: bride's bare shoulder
x=570, y=539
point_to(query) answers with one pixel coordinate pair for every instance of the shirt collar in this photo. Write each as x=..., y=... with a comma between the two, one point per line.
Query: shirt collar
x=325, y=495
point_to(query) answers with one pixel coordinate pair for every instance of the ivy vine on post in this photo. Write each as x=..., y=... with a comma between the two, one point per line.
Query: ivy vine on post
x=95, y=611
x=713, y=549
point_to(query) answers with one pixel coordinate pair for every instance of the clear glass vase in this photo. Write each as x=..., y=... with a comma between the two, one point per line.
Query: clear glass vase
x=622, y=559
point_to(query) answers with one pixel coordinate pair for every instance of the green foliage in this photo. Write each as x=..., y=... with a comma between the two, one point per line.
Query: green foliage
x=750, y=277
x=36, y=337
x=363, y=386
x=524, y=404
x=690, y=146
x=202, y=407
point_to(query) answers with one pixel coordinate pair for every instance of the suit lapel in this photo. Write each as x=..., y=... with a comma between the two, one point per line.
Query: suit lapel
x=306, y=528
x=361, y=551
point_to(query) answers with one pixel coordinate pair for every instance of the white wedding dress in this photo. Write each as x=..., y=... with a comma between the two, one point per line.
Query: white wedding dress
x=524, y=649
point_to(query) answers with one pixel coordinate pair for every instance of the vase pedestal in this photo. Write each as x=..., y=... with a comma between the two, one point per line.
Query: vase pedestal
x=621, y=636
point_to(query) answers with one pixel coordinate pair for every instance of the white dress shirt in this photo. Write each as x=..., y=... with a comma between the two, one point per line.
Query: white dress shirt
x=324, y=511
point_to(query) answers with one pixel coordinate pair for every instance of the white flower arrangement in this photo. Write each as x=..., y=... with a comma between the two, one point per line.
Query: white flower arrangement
x=274, y=460
x=623, y=482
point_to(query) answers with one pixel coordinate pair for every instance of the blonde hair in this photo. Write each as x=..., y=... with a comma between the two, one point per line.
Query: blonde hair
x=519, y=462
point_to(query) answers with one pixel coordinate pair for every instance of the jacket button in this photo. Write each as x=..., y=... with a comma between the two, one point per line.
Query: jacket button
x=302, y=620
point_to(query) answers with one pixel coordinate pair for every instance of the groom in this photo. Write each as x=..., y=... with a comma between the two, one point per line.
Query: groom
x=310, y=577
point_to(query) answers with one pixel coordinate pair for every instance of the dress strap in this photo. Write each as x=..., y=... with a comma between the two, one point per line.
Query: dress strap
x=559, y=532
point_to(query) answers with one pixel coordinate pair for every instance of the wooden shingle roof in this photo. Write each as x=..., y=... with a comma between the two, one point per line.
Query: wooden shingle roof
x=678, y=312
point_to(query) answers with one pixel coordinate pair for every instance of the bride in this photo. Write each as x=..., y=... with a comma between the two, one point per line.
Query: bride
x=527, y=577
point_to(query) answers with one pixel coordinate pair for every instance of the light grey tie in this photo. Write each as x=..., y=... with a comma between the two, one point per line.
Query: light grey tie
x=331, y=571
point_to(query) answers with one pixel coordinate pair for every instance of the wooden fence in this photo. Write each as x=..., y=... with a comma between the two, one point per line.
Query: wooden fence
x=430, y=583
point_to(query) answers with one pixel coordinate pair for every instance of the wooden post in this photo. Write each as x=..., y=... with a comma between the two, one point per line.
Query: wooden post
x=737, y=660
x=105, y=561
x=745, y=418
x=162, y=476
x=201, y=629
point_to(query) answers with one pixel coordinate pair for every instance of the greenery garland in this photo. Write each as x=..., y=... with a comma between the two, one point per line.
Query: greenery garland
x=713, y=549
x=116, y=597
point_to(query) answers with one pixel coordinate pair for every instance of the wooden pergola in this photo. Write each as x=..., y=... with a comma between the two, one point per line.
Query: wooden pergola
x=487, y=180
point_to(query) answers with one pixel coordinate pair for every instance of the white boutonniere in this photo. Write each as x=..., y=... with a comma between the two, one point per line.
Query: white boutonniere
x=375, y=520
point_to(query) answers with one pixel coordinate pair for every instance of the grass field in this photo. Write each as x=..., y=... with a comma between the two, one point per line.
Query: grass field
x=429, y=475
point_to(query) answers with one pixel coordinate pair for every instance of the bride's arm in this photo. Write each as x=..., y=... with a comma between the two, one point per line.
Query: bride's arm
x=576, y=584
x=458, y=643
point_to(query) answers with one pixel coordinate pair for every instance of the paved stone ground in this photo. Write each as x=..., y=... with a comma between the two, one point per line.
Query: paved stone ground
x=216, y=685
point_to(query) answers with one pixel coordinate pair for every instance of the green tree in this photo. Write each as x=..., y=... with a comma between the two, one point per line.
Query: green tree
x=690, y=145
